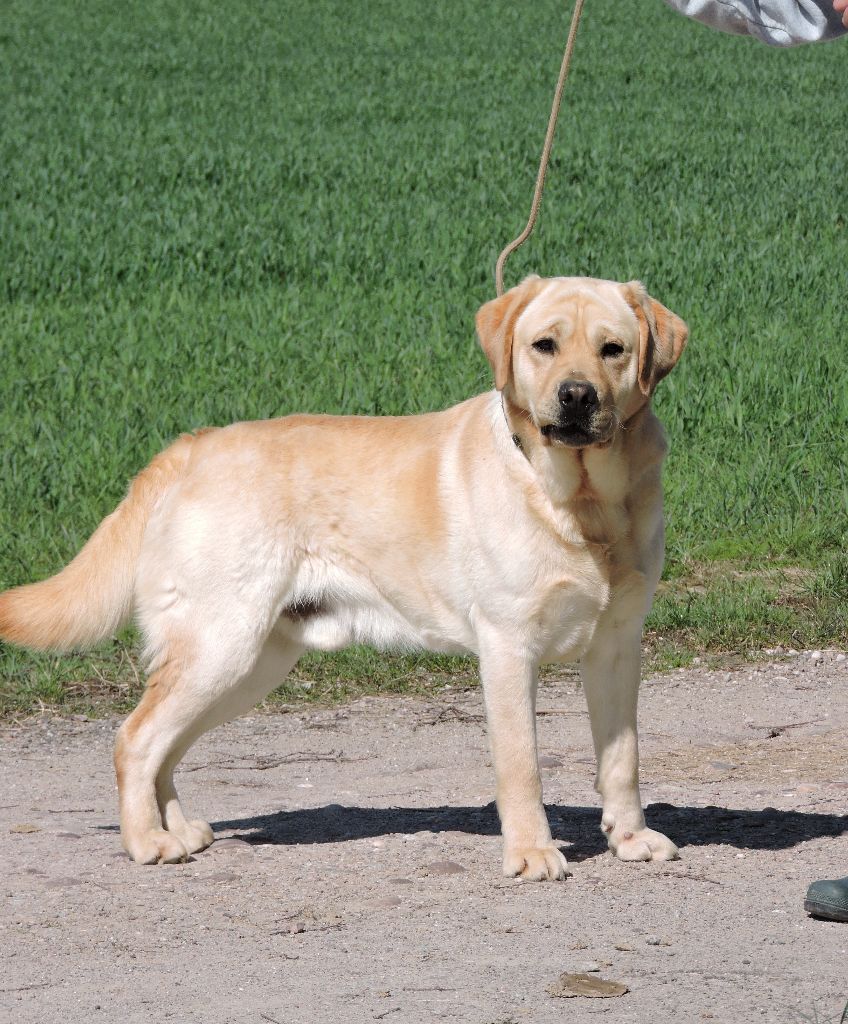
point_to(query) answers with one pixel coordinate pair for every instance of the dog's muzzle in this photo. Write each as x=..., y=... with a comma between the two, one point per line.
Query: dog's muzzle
x=577, y=425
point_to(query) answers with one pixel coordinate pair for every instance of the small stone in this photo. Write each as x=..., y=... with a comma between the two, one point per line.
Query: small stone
x=399, y=881
x=840, y=658
x=567, y=986
x=816, y=656
x=25, y=828
x=231, y=843
x=592, y=967
x=654, y=940
x=623, y=949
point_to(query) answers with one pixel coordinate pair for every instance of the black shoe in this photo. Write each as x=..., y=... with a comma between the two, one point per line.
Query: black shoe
x=828, y=899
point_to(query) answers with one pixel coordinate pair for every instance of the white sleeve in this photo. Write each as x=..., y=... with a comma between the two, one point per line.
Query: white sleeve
x=777, y=22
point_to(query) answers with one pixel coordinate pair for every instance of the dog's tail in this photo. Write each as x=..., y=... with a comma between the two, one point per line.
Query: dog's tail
x=91, y=597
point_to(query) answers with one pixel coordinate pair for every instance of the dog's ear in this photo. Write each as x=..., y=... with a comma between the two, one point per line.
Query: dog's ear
x=662, y=336
x=496, y=323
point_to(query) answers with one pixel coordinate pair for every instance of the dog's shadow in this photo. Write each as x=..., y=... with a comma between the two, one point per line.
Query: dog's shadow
x=576, y=827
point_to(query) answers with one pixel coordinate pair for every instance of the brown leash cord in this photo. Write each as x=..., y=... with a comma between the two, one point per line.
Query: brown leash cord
x=546, y=150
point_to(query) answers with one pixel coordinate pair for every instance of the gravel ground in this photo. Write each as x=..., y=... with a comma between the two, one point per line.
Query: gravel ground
x=357, y=873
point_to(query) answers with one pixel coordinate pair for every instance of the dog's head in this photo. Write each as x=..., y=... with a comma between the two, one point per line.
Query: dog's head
x=578, y=355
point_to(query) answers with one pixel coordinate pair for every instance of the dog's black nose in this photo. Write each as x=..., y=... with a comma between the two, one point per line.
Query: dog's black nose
x=578, y=397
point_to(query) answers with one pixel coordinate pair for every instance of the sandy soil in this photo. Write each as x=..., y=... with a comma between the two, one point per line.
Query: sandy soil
x=358, y=874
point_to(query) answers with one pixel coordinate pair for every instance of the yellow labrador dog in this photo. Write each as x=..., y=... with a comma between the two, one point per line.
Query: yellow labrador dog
x=524, y=526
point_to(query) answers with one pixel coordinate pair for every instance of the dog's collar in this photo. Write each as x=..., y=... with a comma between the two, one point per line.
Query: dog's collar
x=516, y=440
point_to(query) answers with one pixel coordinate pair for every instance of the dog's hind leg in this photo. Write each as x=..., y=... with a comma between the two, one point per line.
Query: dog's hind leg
x=184, y=699
x=275, y=661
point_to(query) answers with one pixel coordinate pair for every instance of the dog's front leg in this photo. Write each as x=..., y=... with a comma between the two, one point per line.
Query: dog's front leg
x=610, y=672
x=509, y=688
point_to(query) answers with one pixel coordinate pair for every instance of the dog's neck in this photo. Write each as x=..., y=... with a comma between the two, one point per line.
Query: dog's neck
x=582, y=478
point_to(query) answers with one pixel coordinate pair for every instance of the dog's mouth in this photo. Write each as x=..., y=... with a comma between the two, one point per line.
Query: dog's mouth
x=596, y=430
x=573, y=435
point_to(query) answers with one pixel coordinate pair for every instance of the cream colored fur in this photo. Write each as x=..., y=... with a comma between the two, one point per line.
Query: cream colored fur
x=240, y=548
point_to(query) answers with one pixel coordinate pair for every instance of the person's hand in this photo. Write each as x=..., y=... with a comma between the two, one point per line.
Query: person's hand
x=842, y=6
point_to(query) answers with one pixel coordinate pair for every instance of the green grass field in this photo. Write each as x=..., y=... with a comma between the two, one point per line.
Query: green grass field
x=226, y=211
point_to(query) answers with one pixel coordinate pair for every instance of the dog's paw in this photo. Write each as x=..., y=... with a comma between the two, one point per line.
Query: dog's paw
x=194, y=835
x=535, y=863
x=157, y=847
x=643, y=844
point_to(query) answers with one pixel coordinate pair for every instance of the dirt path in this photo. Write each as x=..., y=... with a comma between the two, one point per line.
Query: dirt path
x=360, y=877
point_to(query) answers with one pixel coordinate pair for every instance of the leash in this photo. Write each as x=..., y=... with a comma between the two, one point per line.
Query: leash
x=546, y=150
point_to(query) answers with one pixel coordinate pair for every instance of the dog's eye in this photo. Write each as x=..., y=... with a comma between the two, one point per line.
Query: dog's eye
x=546, y=345
x=611, y=350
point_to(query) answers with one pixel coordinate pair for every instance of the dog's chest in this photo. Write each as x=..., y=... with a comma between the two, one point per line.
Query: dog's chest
x=568, y=603
x=592, y=570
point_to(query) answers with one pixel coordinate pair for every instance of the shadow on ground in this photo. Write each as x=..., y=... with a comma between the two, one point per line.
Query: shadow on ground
x=578, y=827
